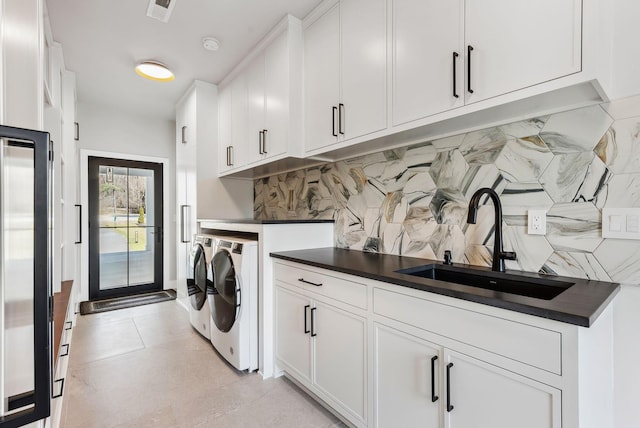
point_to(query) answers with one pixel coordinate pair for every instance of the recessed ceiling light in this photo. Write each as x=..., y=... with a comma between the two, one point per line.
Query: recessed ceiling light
x=154, y=70
x=210, y=44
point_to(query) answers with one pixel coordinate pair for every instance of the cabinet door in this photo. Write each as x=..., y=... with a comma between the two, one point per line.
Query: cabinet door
x=293, y=344
x=486, y=396
x=255, y=108
x=340, y=357
x=363, y=61
x=427, y=36
x=239, y=122
x=519, y=43
x=276, y=77
x=405, y=387
x=322, y=80
x=224, y=128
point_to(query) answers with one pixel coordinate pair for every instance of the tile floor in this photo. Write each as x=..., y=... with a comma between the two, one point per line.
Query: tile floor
x=146, y=367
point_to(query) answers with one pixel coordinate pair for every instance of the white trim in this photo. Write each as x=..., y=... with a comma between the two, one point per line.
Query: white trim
x=84, y=200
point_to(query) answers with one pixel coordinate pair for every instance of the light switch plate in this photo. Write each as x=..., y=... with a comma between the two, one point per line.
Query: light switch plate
x=536, y=222
x=621, y=223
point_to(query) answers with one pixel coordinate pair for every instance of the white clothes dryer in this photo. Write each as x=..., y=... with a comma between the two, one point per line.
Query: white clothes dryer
x=233, y=301
x=201, y=252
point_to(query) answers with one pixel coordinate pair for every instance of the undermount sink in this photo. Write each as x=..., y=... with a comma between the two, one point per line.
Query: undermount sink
x=539, y=288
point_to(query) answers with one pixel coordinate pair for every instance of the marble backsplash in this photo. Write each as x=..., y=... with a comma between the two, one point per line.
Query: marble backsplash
x=413, y=200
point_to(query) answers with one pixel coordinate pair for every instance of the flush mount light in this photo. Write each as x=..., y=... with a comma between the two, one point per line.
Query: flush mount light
x=154, y=70
x=210, y=44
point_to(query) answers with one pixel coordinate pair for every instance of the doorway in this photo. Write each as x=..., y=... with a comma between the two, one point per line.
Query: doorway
x=125, y=227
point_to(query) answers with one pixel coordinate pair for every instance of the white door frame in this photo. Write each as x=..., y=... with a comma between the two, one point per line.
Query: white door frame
x=84, y=200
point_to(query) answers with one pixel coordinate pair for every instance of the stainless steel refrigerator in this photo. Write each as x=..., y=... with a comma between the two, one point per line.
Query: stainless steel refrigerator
x=25, y=276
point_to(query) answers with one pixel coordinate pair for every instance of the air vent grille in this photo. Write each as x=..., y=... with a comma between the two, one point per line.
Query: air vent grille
x=160, y=9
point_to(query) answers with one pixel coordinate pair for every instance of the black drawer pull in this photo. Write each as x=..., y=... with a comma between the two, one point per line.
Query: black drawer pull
x=434, y=397
x=61, y=388
x=70, y=325
x=66, y=352
x=449, y=406
x=334, y=110
x=306, y=329
x=310, y=283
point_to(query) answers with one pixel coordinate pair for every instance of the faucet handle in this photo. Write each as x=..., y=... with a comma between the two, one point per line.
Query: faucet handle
x=508, y=255
x=447, y=257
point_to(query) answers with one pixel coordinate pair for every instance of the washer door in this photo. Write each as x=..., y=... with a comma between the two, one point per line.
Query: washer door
x=224, y=300
x=197, y=284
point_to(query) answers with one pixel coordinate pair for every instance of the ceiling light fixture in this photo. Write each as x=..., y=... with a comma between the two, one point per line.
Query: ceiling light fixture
x=210, y=44
x=154, y=70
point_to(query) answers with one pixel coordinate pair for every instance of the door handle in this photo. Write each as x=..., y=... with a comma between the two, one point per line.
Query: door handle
x=340, y=115
x=455, y=60
x=434, y=397
x=334, y=110
x=79, y=210
x=260, y=136
x=264, y=141
x=184, y=232
x=184, y=135
x=306, y=329
x=313, y=322
x=449, y=405
x=469, y=50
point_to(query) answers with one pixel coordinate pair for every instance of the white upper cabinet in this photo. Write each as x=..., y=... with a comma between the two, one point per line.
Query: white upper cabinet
x=322, y=80
x=345, y=73
x=450, y=53
x=261, y=118
x=428, y=58
x=520, y=43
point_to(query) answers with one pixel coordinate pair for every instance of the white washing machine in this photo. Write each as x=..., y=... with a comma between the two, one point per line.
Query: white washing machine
x=202, y=250
x=233, y=302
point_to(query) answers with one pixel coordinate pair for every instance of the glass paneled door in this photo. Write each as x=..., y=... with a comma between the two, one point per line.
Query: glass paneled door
x=125, y=227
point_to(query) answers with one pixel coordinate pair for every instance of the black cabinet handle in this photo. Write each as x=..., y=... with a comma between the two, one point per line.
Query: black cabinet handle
x=340, y=116
x=313, y=322
x=334, y=110
x=70, y=325
x=76, y=135
x=260, y=142
x=434, y=397
x=79, y=210
x=66, y=352
x=449, y=406
x=306, y=329
x=469, y=50
x=455, y=60
x=61, y=388
x=319, y=284
x=264, y=141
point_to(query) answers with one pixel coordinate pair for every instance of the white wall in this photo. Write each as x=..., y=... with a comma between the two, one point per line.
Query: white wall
x=106, y=129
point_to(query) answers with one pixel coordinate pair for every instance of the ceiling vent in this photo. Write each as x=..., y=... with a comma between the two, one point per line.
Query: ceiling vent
x=160, y=9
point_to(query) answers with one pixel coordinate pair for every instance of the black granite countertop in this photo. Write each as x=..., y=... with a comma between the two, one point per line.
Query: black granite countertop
x=580, y=304
x=252, y=221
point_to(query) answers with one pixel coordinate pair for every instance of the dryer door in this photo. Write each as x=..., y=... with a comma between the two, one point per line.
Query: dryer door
x=224, y=300
x=197, y=284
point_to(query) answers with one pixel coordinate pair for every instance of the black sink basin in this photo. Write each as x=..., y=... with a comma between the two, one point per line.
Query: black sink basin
x=538, y=288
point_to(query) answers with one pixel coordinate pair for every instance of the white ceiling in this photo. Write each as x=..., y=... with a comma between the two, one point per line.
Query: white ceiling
x=103, y=40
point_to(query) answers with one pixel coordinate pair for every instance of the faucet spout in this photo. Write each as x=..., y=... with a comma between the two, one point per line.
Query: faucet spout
x=499, y=255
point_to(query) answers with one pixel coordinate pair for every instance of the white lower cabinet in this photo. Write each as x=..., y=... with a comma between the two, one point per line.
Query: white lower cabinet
x=323, y=345
x=481, y=395
x=407, y=389
x=387, y=356
x=420, y=384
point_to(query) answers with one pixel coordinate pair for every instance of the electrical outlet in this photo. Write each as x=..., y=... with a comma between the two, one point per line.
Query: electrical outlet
x=537, y=222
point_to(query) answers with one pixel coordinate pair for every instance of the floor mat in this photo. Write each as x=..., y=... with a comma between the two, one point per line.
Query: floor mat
x=105, y=305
